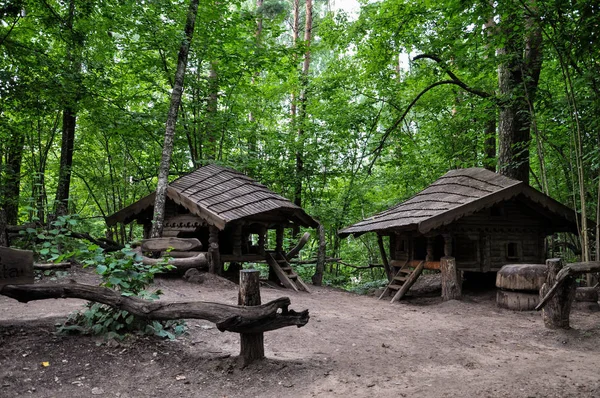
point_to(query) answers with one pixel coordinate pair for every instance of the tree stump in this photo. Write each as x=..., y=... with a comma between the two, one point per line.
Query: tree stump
x=557, y=310
x=451, y=279
x=252, y=344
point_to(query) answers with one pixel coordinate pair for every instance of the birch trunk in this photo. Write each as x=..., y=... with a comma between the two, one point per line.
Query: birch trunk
x=163, y=171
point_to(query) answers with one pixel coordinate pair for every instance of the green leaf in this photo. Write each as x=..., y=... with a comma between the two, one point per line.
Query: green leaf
x=101, y=269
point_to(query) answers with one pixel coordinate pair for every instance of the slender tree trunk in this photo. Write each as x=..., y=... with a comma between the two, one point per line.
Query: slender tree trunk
x=211, y=152
x=11, y=186
x=317, y=278
x=302, y=113
x=165, y=163
x=69, y=114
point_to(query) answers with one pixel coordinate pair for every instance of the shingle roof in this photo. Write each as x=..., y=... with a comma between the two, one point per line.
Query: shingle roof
x=220, y=195
x=454, y=195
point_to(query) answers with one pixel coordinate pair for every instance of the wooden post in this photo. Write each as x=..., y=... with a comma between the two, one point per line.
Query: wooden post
x=429, y=256
x=447, y=245
x=262, y=232
x=556, y=312
x=451, y=279
x=237, y=240
x=214, y=266
x=252, y=345
x=279, y=238
x=384, y=258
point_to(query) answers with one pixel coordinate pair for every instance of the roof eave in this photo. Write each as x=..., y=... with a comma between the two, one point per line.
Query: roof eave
x=453, y=214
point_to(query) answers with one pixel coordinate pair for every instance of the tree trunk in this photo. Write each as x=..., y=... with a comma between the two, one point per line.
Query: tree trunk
x=165, y=163
x=518, y=77
x=252, y=345
x=302, y=113
x=11, y=184
x=211, y=151
x=317, y=278
x=69, y=121
x=69, y=115
x=557, y=310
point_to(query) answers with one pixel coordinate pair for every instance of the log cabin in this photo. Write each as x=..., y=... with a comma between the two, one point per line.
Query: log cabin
x=230, y=213
x=468, y=220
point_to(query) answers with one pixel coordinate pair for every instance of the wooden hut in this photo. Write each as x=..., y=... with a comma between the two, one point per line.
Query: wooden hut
x=468, y=220
x=230, y=213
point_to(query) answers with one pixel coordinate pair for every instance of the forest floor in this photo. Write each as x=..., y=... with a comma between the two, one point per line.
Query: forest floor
x=353, y=346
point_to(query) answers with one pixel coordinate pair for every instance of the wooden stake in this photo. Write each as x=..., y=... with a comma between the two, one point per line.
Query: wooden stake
x=556, y=312
x=252, y=344
x=451, y=279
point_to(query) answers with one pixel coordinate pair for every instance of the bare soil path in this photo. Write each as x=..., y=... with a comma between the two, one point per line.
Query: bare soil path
x=353, y=346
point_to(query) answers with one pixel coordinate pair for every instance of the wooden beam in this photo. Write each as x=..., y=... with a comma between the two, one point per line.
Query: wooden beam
x=384, y=257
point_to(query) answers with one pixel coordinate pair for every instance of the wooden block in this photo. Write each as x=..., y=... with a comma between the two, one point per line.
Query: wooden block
x=179, y=244
x=16, y=266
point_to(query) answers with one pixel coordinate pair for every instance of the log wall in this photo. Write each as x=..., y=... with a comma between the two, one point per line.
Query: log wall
x=508, y=233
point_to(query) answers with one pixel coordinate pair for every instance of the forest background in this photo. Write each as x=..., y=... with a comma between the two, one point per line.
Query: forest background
x=345, y=113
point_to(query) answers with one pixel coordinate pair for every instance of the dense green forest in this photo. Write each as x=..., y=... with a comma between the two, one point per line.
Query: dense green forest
x=345, y=112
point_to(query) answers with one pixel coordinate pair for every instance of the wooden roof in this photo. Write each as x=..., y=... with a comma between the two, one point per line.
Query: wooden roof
x=456, y=194
x=221, y=195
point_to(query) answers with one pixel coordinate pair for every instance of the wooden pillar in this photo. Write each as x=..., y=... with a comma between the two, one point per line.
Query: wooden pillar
x=447, y=245
x=262, y=232
x=429, y=256
x=214, y=265
x=279, y=238
x=237, y=240
x=451, y=276
x=557, y=310
x=252, y=345
x=384, y=258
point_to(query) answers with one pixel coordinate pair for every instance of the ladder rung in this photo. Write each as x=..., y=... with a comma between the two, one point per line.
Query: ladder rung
x=293, y=276
x=286, y=268
x=400, y=278
x=394, y=287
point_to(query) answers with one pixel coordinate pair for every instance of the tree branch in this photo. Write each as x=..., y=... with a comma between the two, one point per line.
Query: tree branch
x=231, y=318
x=455, y=78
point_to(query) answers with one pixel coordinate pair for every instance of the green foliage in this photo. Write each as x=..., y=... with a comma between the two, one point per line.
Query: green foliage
x=54, y=243
x=125, y=273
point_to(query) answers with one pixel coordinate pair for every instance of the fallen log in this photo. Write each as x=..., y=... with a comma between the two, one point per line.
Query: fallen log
x=231, y=318
x=573, y=269
x=50, y=266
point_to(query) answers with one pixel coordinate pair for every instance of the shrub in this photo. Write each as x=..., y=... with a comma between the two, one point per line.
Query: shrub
x=122, y=271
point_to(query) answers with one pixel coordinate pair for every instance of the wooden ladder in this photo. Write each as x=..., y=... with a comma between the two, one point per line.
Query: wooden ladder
x=403, y=279
x=284, y=271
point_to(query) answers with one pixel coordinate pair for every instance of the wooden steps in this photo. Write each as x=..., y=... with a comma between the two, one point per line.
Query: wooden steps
x=284, y=271
x=403, y=279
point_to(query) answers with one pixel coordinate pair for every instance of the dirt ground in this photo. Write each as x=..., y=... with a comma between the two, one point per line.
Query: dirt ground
x=353, y=346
